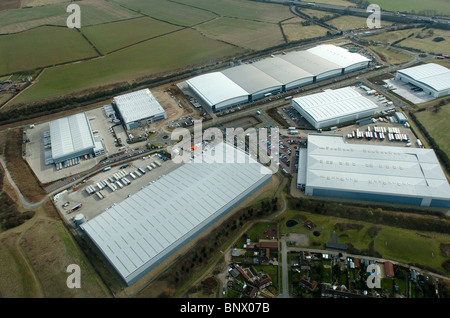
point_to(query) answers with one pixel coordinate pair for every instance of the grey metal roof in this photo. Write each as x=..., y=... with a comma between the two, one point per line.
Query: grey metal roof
x=139, y=232
x=138, y=105
x=216, y=88
x=251, y=79
x=433, y=75
x=338, y=55
x=334, y=103
x=70, y=135
x=282, y=70
x=311, y=63
x=335, y=164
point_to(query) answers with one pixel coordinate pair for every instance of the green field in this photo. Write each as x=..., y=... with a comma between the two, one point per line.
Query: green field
x=437, y=126
x=348, y=22
x=139, y=60
x=413, y=6
x=143, y=28
x=418, y=6
x=244, y=33
x=392, y=243
x=41, y=47
x=168, y=11
x=423, y=40
x=296, y=32
x=244, y=9
x=392, y=55
x=92, y=12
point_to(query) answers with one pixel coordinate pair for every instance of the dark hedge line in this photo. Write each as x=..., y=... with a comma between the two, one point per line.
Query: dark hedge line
x=437, y=223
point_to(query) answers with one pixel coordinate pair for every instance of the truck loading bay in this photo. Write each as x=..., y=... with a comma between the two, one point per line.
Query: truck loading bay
x=73, y=202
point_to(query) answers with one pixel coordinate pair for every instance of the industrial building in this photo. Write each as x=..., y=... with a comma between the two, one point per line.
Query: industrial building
x=333, y=107
x=138, y=233
x=348, y=61
x=217, y=91
x=254, y=81
x=330, y=167
x=278, y=73
x=138, y=108
x=70, y=138
x=431, y=78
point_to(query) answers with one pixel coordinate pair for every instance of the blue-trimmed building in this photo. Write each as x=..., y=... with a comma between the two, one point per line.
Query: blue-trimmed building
x=398, y=175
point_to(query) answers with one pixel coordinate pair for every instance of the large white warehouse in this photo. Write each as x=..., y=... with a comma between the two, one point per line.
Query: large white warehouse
x=249, y=82
x=348, y=61
x=139, y=108
x=147, y=227
x=433, y=78
x=333, y=107
x=256, y=82
x=217, y=91
x=333, y=168
x=69, y=138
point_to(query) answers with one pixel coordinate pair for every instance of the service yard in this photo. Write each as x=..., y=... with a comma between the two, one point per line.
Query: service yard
x=92, y=205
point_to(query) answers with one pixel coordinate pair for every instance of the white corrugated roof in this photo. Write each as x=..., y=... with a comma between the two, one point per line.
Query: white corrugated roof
x=433, y=75
x=143, y=229
x=70, y=135
x=334, y=103
x=251, y=79
x=216, y=88
x=311, y=63
x=282, y=70
x=138, y=105
x=338, y=55
x=333, y=163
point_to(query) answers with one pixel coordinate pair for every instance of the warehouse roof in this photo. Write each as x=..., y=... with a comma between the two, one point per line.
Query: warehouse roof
x=433, y=75
x=70, y=135
x=138, y=105
x=282, y=70
x=338, y=55
x=334, y=103
x=309, y=62
x=216, y=88
x=251, y=79
x=138, y=233
x=335, y=164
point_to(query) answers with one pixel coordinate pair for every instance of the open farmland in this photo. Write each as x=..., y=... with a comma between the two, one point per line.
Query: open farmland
x=440, y=7
x=436, y=123
x=136, y=61
x=391, y=36
x=391, y=55
x=348, y=22
x=143, y=28
x=93, y=12
x=244, y=33
x=296, y=32
x=424, y=41
x=168, y=11
x=244, y=9
x=48, y=45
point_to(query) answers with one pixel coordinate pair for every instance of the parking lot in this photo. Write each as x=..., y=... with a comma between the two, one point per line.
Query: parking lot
x=92, y=205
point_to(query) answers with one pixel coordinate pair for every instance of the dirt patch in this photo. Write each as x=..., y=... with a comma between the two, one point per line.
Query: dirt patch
x=299, y=239
x=9, y=4
x=373, y=231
